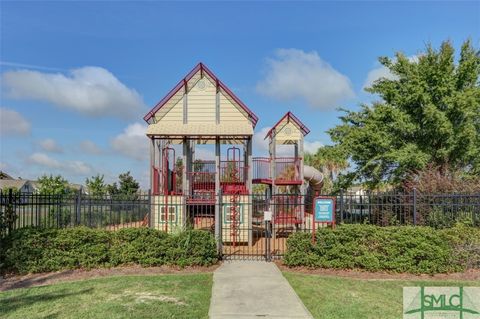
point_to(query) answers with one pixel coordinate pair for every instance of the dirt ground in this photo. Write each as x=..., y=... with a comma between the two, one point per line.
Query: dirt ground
x=473, y=275
x=43, y=279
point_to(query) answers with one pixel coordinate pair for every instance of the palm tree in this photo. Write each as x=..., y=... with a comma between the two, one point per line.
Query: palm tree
x=330, y=160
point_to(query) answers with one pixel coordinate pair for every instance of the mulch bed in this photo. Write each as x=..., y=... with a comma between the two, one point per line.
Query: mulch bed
x=473, y=274
x=42, y=279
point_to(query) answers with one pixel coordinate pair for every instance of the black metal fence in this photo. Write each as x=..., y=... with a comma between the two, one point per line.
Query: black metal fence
x=415, y=208
x=112, y=212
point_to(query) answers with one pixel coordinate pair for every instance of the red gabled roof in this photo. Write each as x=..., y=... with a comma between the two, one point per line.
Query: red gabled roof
x=294, y=119
x=202, y=68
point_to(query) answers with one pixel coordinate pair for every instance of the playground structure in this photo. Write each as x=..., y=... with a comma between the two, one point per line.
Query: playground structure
x=191, y=191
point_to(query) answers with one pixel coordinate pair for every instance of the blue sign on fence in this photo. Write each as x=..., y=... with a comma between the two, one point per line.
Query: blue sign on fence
x=324, y=210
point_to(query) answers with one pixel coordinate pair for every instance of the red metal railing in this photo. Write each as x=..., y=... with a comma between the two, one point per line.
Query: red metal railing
x=232, y=172
x=202, y=185
x=261, y=169
x=287, y=169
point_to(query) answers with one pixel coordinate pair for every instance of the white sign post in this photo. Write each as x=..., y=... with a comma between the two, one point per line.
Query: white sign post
x=267, y=216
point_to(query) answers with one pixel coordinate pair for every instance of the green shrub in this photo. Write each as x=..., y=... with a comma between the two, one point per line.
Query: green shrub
x=192, y=247
x=466, y=245
x=44, y=249
x=396, y=249
x=79, y=247
x=143, y=246
x=24, y=249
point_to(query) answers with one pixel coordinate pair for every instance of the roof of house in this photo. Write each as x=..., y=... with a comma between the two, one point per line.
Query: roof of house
x=4, y=175
x=202, y=68
x=290, y=118
x=13, y=183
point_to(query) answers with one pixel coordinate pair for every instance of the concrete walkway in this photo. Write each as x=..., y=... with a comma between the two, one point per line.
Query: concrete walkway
x=253, y=289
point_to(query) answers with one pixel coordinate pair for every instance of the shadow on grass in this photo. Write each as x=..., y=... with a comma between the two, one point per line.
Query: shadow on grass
x=7, y=284
x=27, y=299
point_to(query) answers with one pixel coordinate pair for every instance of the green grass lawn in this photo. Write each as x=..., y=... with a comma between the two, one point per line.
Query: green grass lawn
x=349, y=298
x=161, y=296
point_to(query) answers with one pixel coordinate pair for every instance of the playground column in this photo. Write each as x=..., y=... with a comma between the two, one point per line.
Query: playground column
x=186, y=162
x=152, y=160
x=158, y=162
x=273, y=154
x=185, y=186
x=250, y=191
x=273, y=151
x=218, y=193
x=299, y=153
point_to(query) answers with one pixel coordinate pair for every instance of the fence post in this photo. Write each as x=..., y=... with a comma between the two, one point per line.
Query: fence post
x=150, y=209
x=414, y=206
x=10, y=212
x=219, y=222
x=78, y=207
x=370, y=206
x=341, y=205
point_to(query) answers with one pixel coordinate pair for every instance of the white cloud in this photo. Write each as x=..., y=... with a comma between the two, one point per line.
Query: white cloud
x=42, y=159
x=312, y=147
x=13, y=123
x=378, y=73
x=293, y=74
x=89, y=90
x=78, y=168
x=49, y=145
x=69, y=167
x=132, y=142
x=90, y=147
x=260, y=144
x=383, y=72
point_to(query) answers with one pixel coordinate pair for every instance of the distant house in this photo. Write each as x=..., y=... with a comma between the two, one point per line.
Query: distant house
x=4, y=175
x=24, y=186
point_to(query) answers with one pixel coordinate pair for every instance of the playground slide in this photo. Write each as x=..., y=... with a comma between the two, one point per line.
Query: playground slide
x=313, y=177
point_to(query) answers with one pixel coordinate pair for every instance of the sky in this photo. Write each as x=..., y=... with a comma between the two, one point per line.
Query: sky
x=78, y=77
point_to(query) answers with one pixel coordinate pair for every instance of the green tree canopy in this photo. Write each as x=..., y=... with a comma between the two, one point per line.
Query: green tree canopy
x=429, y=114
x=331, y=161
x=96, y=185
x=53, y=185
x=112, y=189
x=127, y=184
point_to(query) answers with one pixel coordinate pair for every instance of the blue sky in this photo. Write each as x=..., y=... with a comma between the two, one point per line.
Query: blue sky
x=78, y=77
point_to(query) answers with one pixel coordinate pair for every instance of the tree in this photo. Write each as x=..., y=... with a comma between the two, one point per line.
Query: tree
x=96, y=185
x=429, y=114
x=127, y=184
x=53, y=185
x=112, y=189
x=331, y=161
x=7, y=190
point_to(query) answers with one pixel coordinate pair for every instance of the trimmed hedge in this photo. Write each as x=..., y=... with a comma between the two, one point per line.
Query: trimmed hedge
x=31, y=250
x=395, y=249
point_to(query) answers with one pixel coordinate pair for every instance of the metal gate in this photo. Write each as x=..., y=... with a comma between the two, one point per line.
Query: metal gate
x=248, y=233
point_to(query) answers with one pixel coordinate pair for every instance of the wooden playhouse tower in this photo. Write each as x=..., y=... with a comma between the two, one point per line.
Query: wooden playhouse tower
x=194, y=190
x=285, y=174
x=187, y=189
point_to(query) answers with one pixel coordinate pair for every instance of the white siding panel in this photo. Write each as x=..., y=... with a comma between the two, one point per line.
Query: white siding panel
x=201, y=102
x=229, y=112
